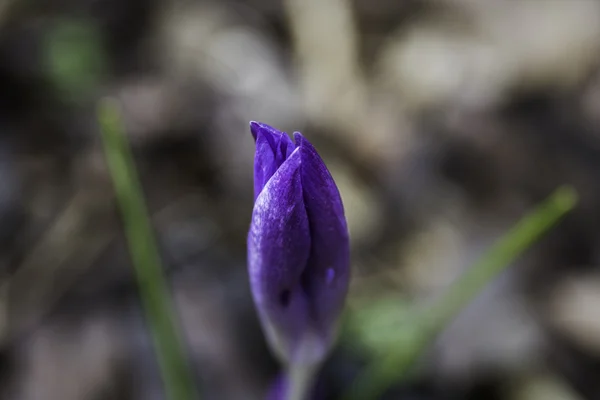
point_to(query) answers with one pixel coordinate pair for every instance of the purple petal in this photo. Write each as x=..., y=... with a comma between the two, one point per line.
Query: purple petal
x=278, y=250
x=284, y=149
x=258, y=128
x=280, y=385
x=327, y=274
x=278, y=388
x=273, y=147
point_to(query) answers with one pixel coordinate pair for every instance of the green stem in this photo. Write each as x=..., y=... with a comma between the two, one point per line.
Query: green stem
x=153, y=289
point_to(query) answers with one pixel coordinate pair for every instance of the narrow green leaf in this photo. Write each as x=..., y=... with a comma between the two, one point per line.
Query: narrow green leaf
x=417, y=332
x=502, y=254
x=153, y=289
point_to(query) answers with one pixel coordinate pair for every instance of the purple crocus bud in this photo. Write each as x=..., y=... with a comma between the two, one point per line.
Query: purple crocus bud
x=298, y=247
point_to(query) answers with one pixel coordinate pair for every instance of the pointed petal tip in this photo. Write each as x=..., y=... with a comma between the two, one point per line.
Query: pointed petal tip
x=257, y=128
x=254, y=128
x=298, y=138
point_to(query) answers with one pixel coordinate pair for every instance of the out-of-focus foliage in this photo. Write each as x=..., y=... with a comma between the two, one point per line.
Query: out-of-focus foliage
x=75, y=57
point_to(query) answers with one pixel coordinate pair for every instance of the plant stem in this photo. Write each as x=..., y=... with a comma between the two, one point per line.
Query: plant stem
x=301, y=380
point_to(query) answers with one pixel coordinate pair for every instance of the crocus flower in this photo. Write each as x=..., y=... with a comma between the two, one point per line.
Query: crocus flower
x=298, y=247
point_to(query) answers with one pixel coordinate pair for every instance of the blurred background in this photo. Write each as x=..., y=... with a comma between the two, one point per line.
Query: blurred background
x=442, y=121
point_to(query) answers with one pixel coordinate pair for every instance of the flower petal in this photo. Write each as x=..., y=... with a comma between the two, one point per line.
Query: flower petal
x=273, y=147
x=278, y=390
x=327, y=274
x=278, y=249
